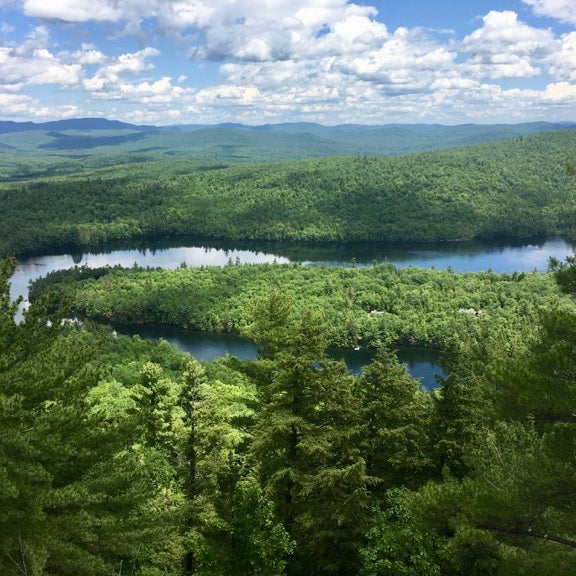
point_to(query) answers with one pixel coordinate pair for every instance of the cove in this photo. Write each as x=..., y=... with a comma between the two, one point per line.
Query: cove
x=422, y=363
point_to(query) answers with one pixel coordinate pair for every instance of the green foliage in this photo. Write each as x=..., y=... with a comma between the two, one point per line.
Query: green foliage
x=395, y=419
x=565, y=273
x=503, y=190
x=507, y=435
x=361, y=306
x=77, y=497
x=307, y=448
x=511, y=514
x=124, y=456
x=395, y=545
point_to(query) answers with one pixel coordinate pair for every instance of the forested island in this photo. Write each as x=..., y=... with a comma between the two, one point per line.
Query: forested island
x=124, y=456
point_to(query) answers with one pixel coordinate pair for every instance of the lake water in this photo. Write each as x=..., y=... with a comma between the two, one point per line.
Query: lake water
x=422, y=363
x=460, y=257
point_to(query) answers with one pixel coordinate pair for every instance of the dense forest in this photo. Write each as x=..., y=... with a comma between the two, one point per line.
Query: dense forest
x=515, y=189
x=124, y=456
x=364, y=307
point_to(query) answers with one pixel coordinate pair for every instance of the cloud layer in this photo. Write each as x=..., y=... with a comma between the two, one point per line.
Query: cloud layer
x=329, y=61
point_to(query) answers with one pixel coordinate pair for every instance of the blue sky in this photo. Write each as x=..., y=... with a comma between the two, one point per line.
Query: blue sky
x=267, y=61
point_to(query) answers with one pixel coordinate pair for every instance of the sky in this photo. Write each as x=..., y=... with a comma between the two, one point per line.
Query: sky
x=167, y=62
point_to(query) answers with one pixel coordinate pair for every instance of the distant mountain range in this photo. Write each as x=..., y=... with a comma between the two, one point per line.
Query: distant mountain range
x=7, y=126
x=98, y=142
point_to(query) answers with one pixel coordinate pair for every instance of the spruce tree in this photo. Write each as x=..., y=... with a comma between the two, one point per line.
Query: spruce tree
x=76, y=498
x=307, y=450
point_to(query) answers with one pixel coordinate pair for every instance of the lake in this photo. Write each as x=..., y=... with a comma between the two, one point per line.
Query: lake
x=422, y=363
x=460, y=257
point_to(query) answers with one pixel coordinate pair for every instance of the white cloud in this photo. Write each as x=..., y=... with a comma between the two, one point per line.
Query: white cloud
x=561, y=92
x=563, y=10
x=108, y=77
x=507, y=48
x=261, y=30
x=38, y=67
x=88, y=57
x=13, y=106
x=73, y=10
x=37, y=39
x=563, y=64
x=405, y=59
x=161, y=91
x=251, y=30
x=321, y=60
x=228, y=94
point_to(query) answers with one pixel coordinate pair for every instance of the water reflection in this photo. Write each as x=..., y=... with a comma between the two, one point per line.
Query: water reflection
x=460, y=257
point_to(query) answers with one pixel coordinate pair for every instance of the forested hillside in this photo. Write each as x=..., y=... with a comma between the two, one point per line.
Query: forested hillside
x=78, y=145
x=514, y=189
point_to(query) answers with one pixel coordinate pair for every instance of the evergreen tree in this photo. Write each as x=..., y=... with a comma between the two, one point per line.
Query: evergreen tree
x=395, y=416
x=74, y=499
x=510, y=509
x=229, y=523
x=307, y=451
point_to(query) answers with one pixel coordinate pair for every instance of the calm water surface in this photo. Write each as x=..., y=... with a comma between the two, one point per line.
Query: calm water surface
x=422, y=363
x=461, y=257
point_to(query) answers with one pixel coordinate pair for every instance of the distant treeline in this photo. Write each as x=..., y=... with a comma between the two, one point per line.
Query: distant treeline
x=513, y=190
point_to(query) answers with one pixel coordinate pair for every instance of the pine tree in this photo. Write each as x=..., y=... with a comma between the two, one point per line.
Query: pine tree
x=75, y=499
x=229, y=524
x=395, y=415
x=308, y=454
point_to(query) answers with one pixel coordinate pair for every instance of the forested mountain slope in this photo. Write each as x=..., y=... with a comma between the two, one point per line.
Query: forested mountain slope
x=66, y=146
x=514, y=189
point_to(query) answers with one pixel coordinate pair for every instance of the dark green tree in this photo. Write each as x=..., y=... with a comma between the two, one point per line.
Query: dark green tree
x=75, y=499
x=307, y=451
x=395, y=545
x=229, y=524
x=395, y=420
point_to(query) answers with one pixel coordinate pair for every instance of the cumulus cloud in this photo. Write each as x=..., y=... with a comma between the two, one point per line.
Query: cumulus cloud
x=39, y=67
x=108, y=77
x=14, y=106
x=161, y=91
x=261, y=30
x=507, y=48
x=238, y=95
x=563, y=10
x=323, y=60
x=404, y=59
x=251, y=30
x=89, y=57
x=563, y=65
x=560, y=92
x=120, y=79
x=73, y=10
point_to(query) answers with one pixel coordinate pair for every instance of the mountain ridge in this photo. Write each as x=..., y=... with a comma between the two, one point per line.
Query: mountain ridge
x=89, y=123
